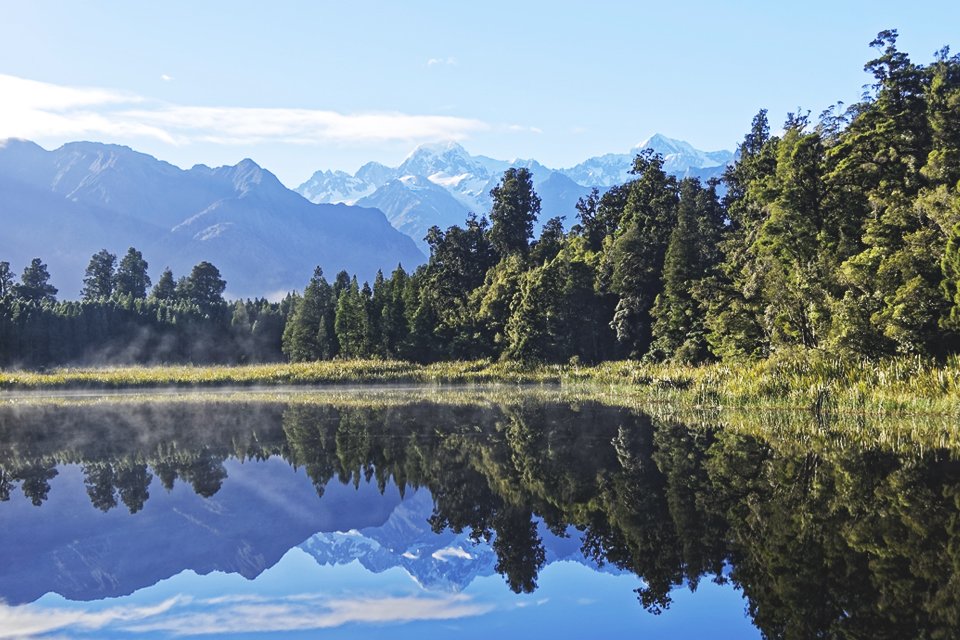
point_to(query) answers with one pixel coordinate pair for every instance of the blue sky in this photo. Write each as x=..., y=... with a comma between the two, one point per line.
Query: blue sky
x=297, y=598
x=311, y=85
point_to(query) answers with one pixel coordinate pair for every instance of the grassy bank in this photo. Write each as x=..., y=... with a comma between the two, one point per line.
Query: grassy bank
x=807, y=381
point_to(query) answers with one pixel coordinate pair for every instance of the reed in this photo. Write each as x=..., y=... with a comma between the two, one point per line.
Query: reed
x=797, y=381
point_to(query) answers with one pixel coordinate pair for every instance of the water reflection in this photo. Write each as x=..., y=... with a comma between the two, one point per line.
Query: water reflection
x=824, y=538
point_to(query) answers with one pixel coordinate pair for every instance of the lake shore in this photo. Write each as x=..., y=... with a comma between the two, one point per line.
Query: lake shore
x=903, y=386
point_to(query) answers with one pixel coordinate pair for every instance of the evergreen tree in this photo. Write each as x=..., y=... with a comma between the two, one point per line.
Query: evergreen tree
x=393, y=322
x=376, y=301
x=305, y=336
x=166, y=287
x=637, y=253
x=893, y=300
x=98, y=279
x=734, y=307
x=350, y=322
x=132, y=279
x=6, y=280
x=515, y=209
x=793, y=258
x=692, y=255
x=204, y=287
x=550, y=242
x=35, y=283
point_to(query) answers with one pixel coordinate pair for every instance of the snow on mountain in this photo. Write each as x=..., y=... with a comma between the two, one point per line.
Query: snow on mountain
x=444, y=561
x=679, y=158
x=415, y=204
x=337, y=187
x=463, y=182
x=65, y=205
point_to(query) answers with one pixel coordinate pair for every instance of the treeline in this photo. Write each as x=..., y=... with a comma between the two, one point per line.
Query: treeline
x=841, y=235
x=121, y=319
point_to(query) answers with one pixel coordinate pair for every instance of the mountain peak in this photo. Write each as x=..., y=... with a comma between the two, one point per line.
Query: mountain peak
x=662, y=144
x=437, y=149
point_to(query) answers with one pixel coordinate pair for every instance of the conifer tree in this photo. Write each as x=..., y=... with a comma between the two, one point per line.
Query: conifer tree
x=99, y=278
x=692, y=255
x=131, y=278
x=515, y=208
x=166, y=287
x=35, y=283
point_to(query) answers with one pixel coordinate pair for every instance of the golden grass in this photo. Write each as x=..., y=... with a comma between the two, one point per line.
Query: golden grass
x=807, y=381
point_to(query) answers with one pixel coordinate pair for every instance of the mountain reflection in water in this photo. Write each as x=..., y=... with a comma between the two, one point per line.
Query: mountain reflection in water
x=823, y=537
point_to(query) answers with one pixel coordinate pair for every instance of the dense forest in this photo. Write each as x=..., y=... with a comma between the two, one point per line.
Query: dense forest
x=841, y=235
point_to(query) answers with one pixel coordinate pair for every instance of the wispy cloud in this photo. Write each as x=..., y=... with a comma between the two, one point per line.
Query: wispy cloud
x=448, y=62
x=303, y=613
x=29, y=620
x=183, y=616
x=32, y=109
x=166, y=77
x=519, y=128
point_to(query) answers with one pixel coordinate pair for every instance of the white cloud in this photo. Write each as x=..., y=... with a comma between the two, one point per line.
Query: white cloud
x=26, y=621
x=32, y=110
x=165, y=77
x=451, y=552
x=450, y=62
x=235, y=614
x=312, y=613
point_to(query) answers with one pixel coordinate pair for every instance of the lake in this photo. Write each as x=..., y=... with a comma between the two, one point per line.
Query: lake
x=422, y=513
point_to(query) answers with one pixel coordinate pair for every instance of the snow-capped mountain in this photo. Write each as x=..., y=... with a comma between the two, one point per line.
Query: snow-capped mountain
x=445, y=561
x=65, y=205
x=415, y=204
x=337, y=186
x=463, y=182
x=679, y=158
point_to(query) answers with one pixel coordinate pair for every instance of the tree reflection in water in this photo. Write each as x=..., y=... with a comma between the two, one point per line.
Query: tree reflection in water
x=825, y=537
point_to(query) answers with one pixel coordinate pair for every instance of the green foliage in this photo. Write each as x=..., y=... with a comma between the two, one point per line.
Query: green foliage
x=515, y=209
x=203, y=287
x=351, y=321
x=131, y=278
x=6, y=281
x=35, y=283
x=692, y=255
x=309, y=333
x=98, y=281
x=166, y=287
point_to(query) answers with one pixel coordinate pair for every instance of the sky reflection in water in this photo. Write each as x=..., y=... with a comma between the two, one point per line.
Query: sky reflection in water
x=520, y=517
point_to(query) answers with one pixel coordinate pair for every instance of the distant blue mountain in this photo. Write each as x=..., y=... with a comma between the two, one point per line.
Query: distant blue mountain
x=65, y=205
x=263, y=510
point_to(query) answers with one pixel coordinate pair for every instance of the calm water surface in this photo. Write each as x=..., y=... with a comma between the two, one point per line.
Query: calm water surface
x=369, y=515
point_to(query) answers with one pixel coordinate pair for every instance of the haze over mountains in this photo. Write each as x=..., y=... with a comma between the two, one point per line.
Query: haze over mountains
x=438, y=184
x=65, y=205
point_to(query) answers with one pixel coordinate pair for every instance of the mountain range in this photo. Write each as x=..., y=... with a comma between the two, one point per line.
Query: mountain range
x=263, y=510
x=445, y=561
x=440, y=183
x=65, y=205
